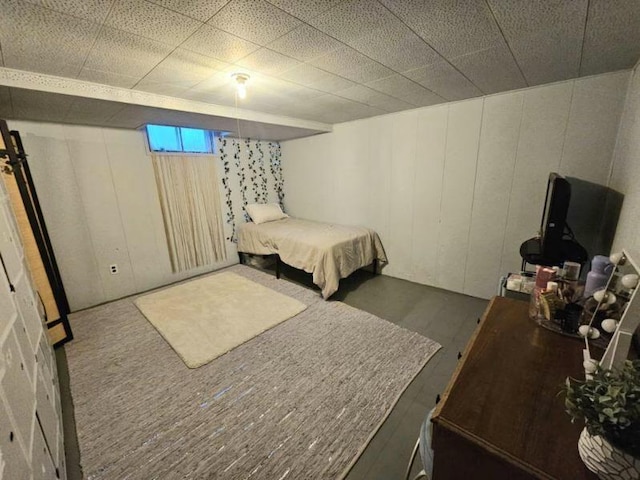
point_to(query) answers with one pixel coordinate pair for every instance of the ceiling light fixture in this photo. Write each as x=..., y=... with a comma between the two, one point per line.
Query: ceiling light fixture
x=241, y=84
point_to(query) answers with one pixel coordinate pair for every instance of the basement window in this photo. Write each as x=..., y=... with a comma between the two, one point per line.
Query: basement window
x=168, y=139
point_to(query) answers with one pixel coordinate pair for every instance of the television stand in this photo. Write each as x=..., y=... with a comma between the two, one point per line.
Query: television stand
x=569, y=250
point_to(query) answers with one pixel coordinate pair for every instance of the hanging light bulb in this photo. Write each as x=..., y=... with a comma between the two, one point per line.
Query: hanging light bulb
x=241, y=84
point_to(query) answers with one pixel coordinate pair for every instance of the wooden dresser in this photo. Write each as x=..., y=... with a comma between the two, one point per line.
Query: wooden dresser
x=501, y=416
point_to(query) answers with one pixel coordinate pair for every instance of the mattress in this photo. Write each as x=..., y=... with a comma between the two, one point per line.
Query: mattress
x=326, y=250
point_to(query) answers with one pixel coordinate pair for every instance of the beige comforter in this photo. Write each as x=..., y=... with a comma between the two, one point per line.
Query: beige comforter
x=329, y=252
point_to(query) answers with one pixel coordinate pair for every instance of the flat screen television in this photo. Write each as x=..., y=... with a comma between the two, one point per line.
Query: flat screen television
x=553, y=225
x=573, y=209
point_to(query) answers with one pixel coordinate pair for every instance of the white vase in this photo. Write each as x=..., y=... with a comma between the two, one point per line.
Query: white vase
x=605, y=460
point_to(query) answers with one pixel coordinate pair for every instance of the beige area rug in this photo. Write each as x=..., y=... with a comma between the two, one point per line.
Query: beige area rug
x=205, y=318
x=300, y=401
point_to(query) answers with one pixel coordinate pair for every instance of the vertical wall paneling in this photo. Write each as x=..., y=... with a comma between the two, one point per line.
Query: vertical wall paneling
x=303, y=198
x=97, y=192
x=625, y=174
x=378, y=170
x=458, y=183
x=492, y=193
x=351, y=145
x=402, y=135
x=588, y=142
x=427, y=195
x=542, y=135
x=456, y=188
x=64, y=211
x=139, y=208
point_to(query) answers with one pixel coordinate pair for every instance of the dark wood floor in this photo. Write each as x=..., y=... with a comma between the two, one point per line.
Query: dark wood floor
x=446, y=317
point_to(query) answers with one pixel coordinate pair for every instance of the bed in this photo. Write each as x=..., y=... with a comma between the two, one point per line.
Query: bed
x=328, y=251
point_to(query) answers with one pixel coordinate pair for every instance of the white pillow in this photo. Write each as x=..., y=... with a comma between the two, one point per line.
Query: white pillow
x=265, y=212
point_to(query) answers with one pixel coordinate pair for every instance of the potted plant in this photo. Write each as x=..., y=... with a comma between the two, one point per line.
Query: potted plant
x=609, y=404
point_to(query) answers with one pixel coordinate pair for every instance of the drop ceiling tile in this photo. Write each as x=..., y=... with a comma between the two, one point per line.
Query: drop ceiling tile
x=107, y=78
x=396, y=47
x=373, y=98
x=215, y=43
x=443, y=79
x=197, y=9
x=348, y=63
x=612, y=36
x=492, y=70
x=152, y=21
x=305, y=43
x=42, y=106
x=305, y=10
x=313, y=77
x=255, y=20
x=125, y=53
x=95, y=10
x=352, y=19
x=38, y=39
x=451, y=28
x=184, y=67
x=545, y=37
x=268, y=62
x=405, y=89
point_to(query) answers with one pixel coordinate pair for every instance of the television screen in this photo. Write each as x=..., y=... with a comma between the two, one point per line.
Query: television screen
x=554, y=218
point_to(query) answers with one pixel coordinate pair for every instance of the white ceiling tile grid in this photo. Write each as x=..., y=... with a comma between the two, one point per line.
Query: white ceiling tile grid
x=159, y=23
x=32, y=35
x=255, y=20
x=322, y=60
x=125, y=53
x=545, y=36
x=612, y=36
x=215, y=43
x=95, y=10
x=196, y=9
x=305, y=43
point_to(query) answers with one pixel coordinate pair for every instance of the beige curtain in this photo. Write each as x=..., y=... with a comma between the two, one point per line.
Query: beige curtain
x=188, y=190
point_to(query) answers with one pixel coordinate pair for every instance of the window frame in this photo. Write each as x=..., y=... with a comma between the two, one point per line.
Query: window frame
x=213, y=134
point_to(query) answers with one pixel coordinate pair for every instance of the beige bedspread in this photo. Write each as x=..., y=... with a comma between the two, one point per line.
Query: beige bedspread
x=328, y=251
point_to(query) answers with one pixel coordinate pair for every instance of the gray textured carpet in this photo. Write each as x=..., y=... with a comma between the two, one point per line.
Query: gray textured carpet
x=299, y=401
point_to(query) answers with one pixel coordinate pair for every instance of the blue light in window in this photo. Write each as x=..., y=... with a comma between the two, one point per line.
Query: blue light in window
x=163, y=138
x=195, y=140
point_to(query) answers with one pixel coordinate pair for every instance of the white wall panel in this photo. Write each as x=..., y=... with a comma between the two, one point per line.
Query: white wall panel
x=62, y=206
x=458, y=183
x=378, y=169
x=494, y=177
x=593, y=124
x=352, y=179
x=102, y=214
x=542, y=134
x=402, y=135
x=139, y=207
x=311, y=160
x=626, y=171
x=427, y=194
x=446, y=224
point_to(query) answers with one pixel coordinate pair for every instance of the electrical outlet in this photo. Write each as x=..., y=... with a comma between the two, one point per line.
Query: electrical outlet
x=113, y=269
